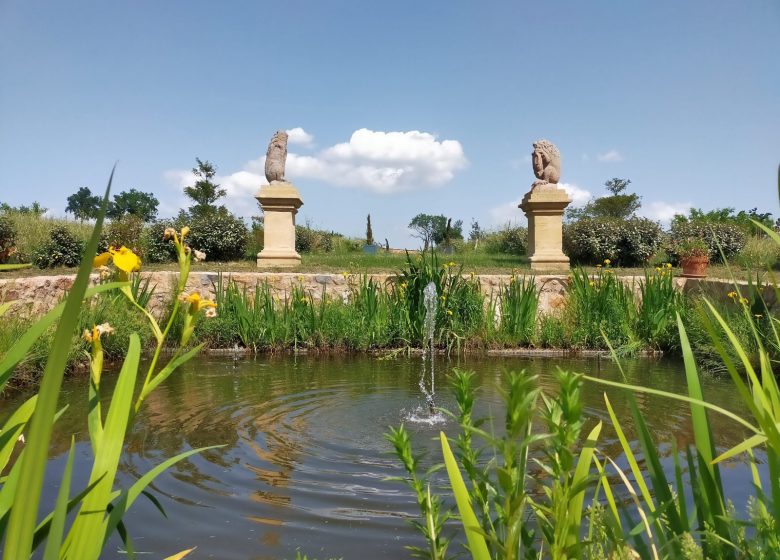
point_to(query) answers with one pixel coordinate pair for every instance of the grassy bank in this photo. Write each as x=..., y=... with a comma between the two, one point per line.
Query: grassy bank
x=370, y=317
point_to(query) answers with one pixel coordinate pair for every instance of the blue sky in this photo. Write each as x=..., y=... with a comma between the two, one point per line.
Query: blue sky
x=403, y=107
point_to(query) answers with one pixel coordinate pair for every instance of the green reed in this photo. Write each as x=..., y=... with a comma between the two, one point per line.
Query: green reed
x=519, y=301
x=83, y=518
x=600, y=302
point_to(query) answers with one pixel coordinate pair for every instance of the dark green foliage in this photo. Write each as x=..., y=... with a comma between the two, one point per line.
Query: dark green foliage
x=369, y=231
x=519, y=304
x=83, y=204
x=310, y=240
x=154, y=248
x=62, y=249
x=600, y=304
x=222, y=236
x=435, y=229
x=625, y=242
x=126, y=231
x=618, y=205
x=7, y=238
x=204, y=193
x=460, y=305
x=511, y=240
x=743, y=219
x=723, y=236
x=133, y=202
x=660, y=302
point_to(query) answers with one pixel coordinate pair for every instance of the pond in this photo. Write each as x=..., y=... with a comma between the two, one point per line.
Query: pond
x=304, y=463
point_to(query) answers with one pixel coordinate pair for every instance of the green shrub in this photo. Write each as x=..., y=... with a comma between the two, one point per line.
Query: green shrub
x=552, y=331
x=629, y=242
x=512, y=240
x=758, y=253
x=126, y=231
x=309, y=240
x=62, y=249
x=154, y=248
x=7, y=238
x=222, y=236
x=728, y=237
x=34, y=231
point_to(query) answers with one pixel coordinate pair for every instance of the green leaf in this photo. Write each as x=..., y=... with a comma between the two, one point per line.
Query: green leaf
x=12, y=429
x=169, y=368
x=579, y=481
x=128, y=497
x=474, y=536
x=88, y=529
x=743, y=447
x=21, y=525
x=57, y=528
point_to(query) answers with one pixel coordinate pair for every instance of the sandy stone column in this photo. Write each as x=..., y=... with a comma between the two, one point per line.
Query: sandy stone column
x=543, y=206
x=280, y=202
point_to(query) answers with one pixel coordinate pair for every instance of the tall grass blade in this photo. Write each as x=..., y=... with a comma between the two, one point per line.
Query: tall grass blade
x=476, y=540
x=21, y=525
x=87, y=531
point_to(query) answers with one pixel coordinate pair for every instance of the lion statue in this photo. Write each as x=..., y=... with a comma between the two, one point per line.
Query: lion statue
x=276, y=157
x=546, y=160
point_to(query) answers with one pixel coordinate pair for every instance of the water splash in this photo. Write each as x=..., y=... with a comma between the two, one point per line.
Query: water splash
x=430, y=302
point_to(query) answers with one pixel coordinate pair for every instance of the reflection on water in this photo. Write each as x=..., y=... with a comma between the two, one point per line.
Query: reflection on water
x=304, y=464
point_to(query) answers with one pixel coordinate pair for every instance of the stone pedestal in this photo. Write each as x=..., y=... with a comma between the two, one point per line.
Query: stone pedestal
x=543, y=206
x=280, y=202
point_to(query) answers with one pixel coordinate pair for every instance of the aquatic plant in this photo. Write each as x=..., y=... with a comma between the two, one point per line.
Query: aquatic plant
x=81, y=521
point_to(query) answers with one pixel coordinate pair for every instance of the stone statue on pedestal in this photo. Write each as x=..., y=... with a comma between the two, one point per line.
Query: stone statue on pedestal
x=543, y=206
x=276, y=157
x=546, y=160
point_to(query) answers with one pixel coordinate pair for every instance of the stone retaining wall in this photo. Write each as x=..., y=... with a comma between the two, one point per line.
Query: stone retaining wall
x=38, y=294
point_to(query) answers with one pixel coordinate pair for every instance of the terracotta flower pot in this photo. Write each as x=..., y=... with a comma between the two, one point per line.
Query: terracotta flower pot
x=694, y=267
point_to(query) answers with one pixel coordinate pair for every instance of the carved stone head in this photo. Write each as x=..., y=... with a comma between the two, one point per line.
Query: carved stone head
x=546, y=160
x=276, y=157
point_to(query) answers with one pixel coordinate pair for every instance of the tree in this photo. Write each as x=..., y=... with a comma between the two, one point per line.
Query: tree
x=369, y=231
x=34, y=209
x=618, y=205
x=434, y=229
x=133, y=202
x=83, y=204
x=204, y=193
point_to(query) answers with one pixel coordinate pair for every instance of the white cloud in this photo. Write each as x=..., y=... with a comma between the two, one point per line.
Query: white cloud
x=507, y=213
x=611, y=156
x=578, y=195
x=299, y=136
x=383, y=162
x=664, y=211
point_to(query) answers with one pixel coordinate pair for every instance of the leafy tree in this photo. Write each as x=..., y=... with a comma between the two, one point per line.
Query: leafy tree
x=434, y=229
x=35, y=209
x=619, y=205
x=204, y=193
x=743, y=219
x=83, y=204
x=135, y=203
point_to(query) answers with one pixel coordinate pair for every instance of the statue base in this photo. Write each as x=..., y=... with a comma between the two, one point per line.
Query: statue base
x=543, y=206
x=280, y=202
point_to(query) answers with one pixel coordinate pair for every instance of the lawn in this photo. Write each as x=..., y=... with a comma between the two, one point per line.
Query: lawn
x=477, y=262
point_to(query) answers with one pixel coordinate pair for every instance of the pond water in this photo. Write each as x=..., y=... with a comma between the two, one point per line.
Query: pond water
x=304, y=463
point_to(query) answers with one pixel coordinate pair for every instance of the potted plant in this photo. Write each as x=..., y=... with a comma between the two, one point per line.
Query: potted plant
x=694, y=257
x=369, y=248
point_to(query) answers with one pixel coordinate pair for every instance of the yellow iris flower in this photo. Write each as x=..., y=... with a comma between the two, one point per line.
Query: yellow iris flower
x=197, y=303
x=124, y=259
